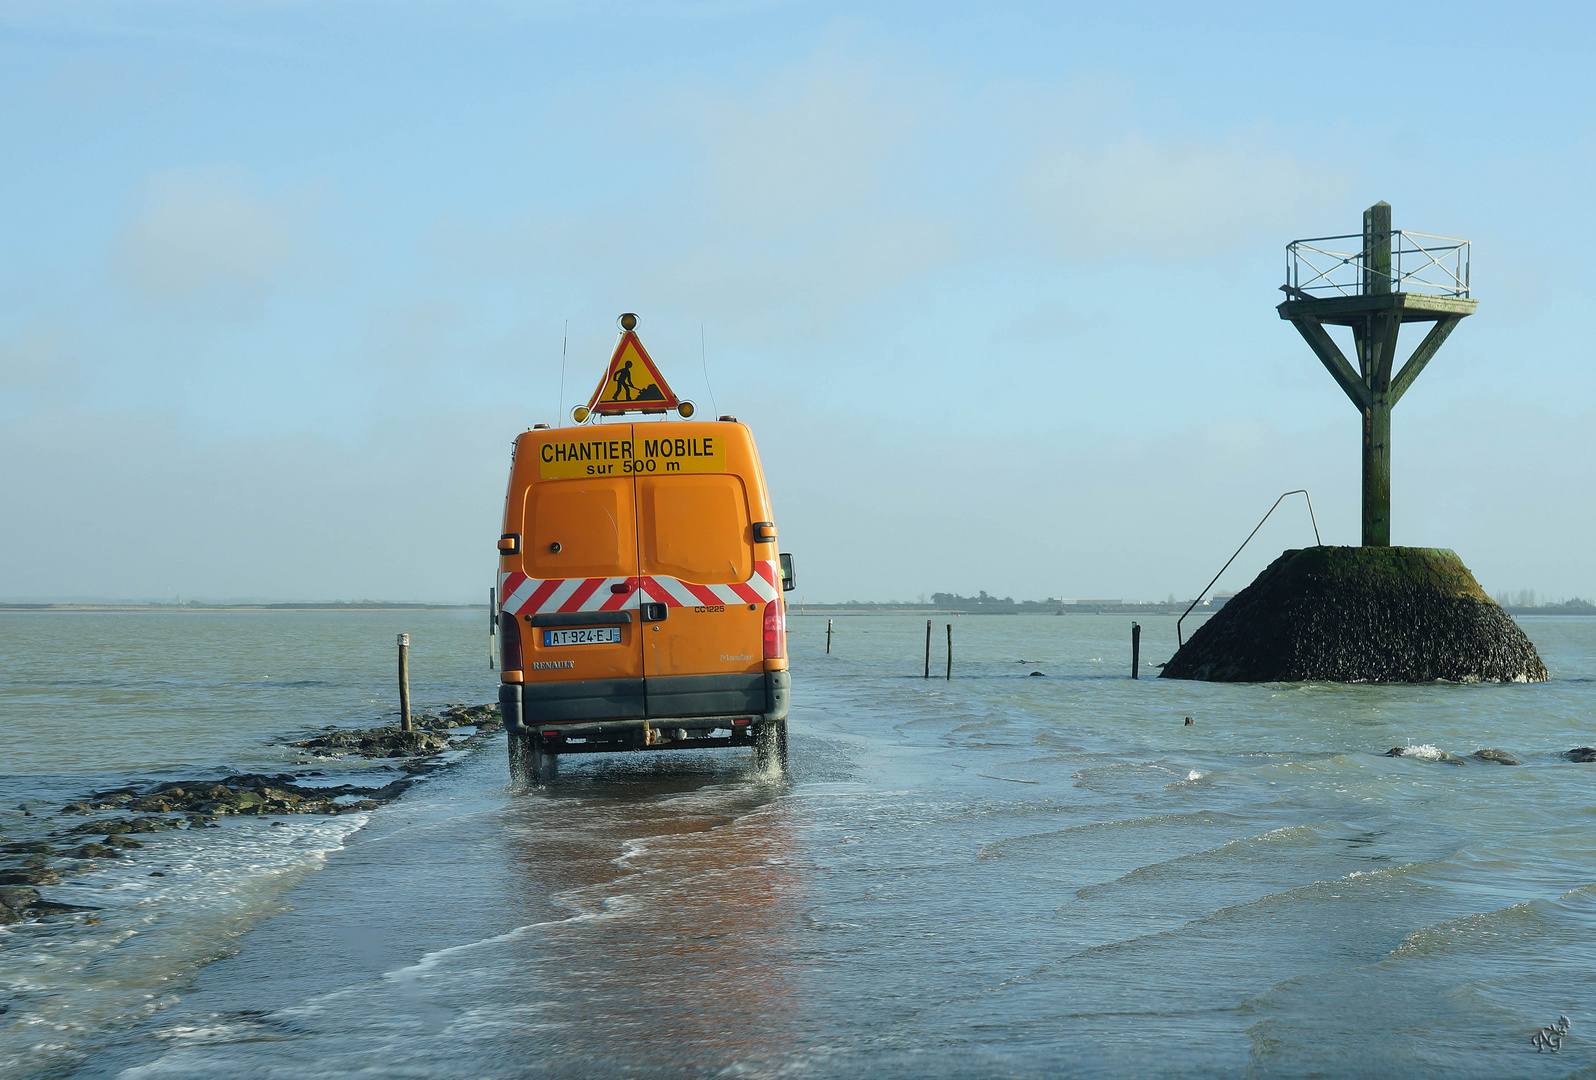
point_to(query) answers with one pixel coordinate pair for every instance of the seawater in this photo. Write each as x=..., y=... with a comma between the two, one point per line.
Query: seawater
x=994, y=875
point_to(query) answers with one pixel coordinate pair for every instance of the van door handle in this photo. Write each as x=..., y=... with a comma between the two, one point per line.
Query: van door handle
x=653, y=612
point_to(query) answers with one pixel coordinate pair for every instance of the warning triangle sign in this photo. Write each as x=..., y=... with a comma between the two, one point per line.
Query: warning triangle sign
x=631, y=382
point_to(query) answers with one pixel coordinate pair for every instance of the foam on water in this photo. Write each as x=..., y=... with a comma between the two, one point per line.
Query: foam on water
x=66, y=981
x=1426, y=751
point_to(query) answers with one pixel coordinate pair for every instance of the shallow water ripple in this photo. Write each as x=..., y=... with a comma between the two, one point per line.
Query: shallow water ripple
x=994, y=875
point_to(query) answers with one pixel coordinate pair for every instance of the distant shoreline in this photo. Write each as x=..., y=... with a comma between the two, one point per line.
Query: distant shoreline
x=1032, y=609
x=832, y=610
x=1557, y=611
x=180, y=608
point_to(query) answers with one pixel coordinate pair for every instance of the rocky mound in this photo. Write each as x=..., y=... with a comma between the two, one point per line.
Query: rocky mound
x=1360, y=614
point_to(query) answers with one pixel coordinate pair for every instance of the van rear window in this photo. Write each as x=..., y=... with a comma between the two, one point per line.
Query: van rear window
x=591, y=521
x=695, y=528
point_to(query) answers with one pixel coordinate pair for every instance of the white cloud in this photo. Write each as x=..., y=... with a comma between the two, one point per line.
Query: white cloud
x=808, y=192
x=37, y=363
x=797, y=205
x=796, y=202
x=205, y=236
x=1177, y=200
x=811, y=146
x=393, y=512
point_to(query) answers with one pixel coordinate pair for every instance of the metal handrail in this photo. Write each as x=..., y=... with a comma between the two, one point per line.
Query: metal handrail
x=1450, y=257
x=1180, y=641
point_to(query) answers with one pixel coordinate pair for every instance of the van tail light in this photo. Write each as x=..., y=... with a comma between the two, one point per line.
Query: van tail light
x=775, y=631
x=509, y=643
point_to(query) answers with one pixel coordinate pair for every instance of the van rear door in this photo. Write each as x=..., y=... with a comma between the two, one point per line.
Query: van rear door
x=705, y=656
x=578, y=598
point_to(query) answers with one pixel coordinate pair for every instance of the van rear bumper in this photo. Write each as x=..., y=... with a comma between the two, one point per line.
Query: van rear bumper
x=764, y=694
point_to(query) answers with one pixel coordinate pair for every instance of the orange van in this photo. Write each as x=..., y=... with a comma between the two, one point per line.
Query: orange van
x=640, y=594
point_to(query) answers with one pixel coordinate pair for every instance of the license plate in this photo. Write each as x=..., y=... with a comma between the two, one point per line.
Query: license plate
x=583, y=635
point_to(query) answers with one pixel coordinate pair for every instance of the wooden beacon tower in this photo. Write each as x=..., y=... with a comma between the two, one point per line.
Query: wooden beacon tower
x=1392, y=278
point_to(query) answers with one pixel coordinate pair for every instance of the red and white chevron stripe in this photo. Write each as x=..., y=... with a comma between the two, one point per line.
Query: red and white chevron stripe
x=542, y=596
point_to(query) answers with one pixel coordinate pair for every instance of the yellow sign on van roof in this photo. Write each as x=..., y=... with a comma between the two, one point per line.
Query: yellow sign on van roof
x=631, y=382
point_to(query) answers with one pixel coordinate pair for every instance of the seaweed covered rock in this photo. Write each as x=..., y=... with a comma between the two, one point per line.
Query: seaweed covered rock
x=1360, y=614
x=431, y=734
x=205, y=800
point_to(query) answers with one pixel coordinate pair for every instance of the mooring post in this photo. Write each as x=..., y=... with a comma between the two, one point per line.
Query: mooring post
x=950, y=651
x=828, y=637
x=404, y=682
x=1136, y=649
x=928, y=648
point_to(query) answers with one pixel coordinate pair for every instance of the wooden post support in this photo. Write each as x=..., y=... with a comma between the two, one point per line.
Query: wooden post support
x=1377, y=249
x=1377, y=471
x=404, y=682
x=1375, y=345
x=1136, y=649
x=928, y=648
x=828, y=637
x=1375, y=315
x=950, y=651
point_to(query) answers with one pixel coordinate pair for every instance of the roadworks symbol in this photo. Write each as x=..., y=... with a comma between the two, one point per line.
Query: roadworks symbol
x=632, y=382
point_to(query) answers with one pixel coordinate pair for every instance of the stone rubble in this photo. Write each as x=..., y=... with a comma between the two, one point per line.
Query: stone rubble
x=117, y=815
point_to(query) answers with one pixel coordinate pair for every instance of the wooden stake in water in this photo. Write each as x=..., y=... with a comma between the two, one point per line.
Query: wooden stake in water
x=404, y=682
x=928, y=648
x=1136, y=649
x=828, y=637
x=950, y=651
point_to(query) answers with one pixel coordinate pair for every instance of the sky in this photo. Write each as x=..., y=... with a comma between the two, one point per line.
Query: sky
x=993, y=285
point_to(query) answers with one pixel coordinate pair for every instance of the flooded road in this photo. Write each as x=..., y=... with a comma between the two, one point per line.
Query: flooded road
x=1001, y=875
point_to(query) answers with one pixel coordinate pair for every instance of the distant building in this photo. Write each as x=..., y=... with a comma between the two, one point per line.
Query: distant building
x=1220, y=599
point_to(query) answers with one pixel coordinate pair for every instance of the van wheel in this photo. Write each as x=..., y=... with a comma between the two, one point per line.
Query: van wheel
x=527, y=760
x=770, y=746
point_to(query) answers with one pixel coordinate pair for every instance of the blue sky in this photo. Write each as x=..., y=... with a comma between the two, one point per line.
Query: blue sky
x=994, y=288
